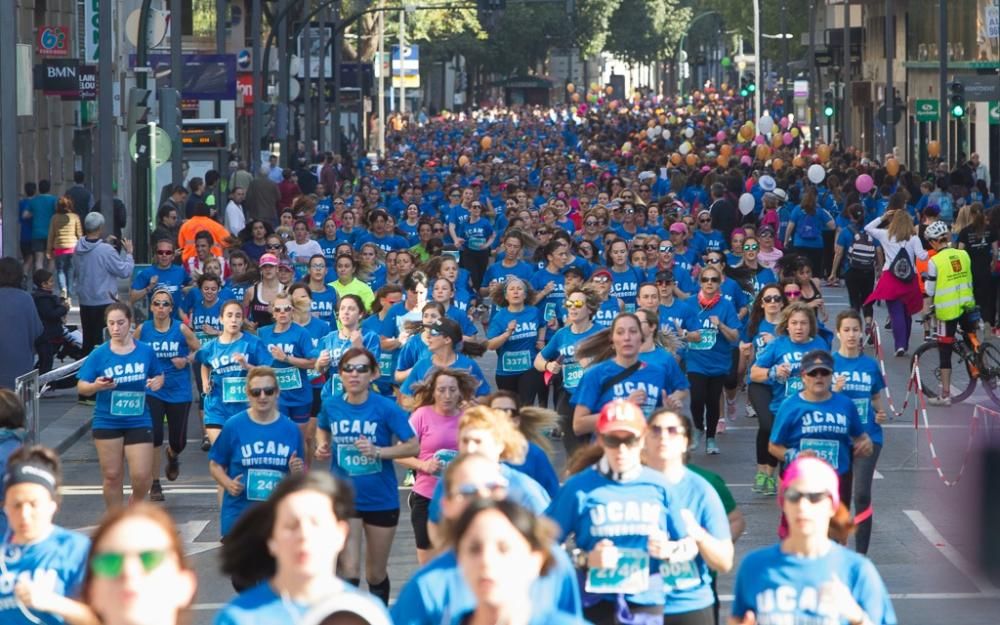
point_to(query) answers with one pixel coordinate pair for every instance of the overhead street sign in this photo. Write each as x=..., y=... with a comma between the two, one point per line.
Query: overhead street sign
x=994, y=113
x=979, y=87
x=928, y=110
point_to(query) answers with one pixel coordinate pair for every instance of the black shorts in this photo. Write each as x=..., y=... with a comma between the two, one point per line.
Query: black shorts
x=317, y=403
x=39, y=245
x=26, y=250
x=132, y=436
x=419, y=518
x=378, y=518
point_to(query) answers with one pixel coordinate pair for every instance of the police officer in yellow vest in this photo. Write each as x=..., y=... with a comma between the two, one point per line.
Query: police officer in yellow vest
x=949, y=287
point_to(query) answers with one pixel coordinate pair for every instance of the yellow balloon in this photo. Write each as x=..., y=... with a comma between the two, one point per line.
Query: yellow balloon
x=570, y=87
x=486, y=143
x=892, y=166
x=934, y=148
x=795, y=132
x=691, y=160
x=594, y=87
x=463, y=160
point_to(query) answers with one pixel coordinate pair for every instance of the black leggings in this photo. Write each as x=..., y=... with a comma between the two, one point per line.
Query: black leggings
x=571, y=441
x=704, y=616
x=705, y=394
x=92, y=326
x=860, y=284
x=475, y=262
x=606, y=612
x=527, y=385
x=760, y=399
x=864, y=468
x=177, y=422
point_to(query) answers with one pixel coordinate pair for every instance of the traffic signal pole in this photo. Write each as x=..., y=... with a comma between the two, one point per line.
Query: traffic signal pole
x=890, y=91
x=943, y=77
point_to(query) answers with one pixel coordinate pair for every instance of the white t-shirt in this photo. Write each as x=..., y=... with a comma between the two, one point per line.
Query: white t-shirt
x=236, y=221
x=302, y=253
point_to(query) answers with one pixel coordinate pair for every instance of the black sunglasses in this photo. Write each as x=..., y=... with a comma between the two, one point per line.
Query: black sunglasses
x=794, y=496
x=266, y=390
x=349, y=368
x=274, y=246
x=772, y=299
x=818, y=373
x=712, y=279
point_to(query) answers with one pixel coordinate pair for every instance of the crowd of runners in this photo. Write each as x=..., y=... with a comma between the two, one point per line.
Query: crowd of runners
x=632, y=268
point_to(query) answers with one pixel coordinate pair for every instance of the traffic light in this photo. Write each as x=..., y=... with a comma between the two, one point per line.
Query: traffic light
x=828, y=108
x=957, y=91
x=171, y=115
x=751, y=87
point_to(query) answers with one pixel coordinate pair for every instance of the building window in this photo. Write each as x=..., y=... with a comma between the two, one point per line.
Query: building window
x=198, y=20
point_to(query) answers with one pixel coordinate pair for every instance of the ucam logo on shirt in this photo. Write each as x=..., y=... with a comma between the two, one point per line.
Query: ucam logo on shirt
x=265, y=453
x=349, y=429
x=166, y=349
x=625, y=518
x=787, y=605
x=128, y=372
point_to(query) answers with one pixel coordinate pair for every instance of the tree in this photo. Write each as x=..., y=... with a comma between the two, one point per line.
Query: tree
x=645, y=31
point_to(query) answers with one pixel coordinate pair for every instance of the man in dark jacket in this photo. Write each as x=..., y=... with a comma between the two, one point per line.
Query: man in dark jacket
x=19, y=324
x=262, y=198
x=83, y=199
x=725, y=216
x=51, y=310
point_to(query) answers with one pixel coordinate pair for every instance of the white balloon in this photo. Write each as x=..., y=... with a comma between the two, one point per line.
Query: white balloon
x=747, y=204
x=765, y=124
x=689, y=132
x=651, y=132
x=816, y=173
x=666, y=133
x=658, y=129
x=685, y=148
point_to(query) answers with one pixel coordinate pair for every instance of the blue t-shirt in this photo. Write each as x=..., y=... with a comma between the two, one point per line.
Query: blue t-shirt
x=688, y=585
x=378, y=419
x=170, y=344
x=42, y=207
x=261, y=606
x=324, y=305
x=259, y=453
x=423, y=367
x=625, y=286
x=296, y=391
x=809, y=228
x=57, y=563
x=173, y=278
x=826, y=427
x=712, y=354
x=594, y=507
x=712, y=241
x=610, y=308
x=498, y=273
x=411, y=352
x=649, y=378
x=517, y=354
x=864, y=380
x=783, y=351
x=337, y=345
x=228, y=377
x=679, y=318
x=438, y=588
x=551, y=304
x=475, y=234
x=202, y=315
x=124, y=406
x=522, y=489
x=562, y=346
x=538, y=467
x=385, y=243
x=783, y=588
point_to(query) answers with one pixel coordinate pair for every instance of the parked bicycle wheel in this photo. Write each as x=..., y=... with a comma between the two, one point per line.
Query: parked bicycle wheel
x=989, y=374
x=963, y=382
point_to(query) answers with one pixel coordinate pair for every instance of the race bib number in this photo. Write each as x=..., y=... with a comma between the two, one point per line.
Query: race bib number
x=679, y=575
x=444, y=458
x=336, y=385
x=550, y=312
x=385, y=363
x=289, y=378
x=477, y=243
x=128, y=403
x=234, y=390
x=862, y=405
x=517, y=361
x=793, y=386
x=824, y=449
x=629, y=577
x=630, y=308
x=707, y=341
x=203, y=337
x=355, y=463
x=314, y=374
x=260, y=483
x=572, y=374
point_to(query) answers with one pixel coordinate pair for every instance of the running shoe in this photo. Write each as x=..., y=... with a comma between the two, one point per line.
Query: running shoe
x=771, y=485
x=900, y=353
x=173, y=465
x=205, y=443
x=751, y=413
x=759, y=482
x=721, y=427
x=696, y=437
x=156, y=492
x=939, y=401
x=711, y=448
x=731, y=408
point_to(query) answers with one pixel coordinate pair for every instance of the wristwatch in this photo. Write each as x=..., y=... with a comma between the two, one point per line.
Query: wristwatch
x=579, y=558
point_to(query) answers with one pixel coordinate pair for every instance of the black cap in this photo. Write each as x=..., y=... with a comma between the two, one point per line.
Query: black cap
x=817, y=359
x=665, y=276
x=449, y=328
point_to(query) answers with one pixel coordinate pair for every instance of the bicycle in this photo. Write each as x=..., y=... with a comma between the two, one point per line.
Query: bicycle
x=973, y=361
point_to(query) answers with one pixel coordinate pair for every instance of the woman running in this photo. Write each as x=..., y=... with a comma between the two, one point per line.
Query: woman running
x=516, y=332
x=324, y=298
x=533, y=422
x=121, y=372
x=257, y=301
x=175, y=346
x=348, y=334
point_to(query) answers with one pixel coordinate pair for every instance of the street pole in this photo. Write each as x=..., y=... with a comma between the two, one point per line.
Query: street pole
x=259, y=88
x=757, y=52
x=890, y=90
x=337, y=62
x=307, y=90
x=8, y=135
x=402, y=63
x=282, y=132
x=943, y=78
x=785, y=91
x=845, y=100
x=321, y=101
x=813, y=76
x=105, y=113
x=381, y=78
x=176, y=82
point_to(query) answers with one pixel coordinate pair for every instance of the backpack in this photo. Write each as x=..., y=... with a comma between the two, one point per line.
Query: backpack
x=861, y=253
x=810, y=227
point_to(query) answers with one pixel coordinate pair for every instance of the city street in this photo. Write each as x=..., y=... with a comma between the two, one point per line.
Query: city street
x=924, y=541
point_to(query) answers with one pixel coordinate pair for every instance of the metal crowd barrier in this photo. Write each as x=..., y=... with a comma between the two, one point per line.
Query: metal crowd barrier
x=30, y=386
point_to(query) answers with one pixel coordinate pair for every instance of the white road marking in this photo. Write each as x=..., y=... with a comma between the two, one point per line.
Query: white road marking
x=189, y=531
x=889, y=426
x=951, y=554
x=878, y=476
x=167, y=490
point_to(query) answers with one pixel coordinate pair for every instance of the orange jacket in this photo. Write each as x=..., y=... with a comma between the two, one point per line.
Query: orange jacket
x=190, y=229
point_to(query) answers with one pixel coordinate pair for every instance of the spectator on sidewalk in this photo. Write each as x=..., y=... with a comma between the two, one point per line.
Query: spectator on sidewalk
x=99, y=266
x=52, y=310
x=262, y=198
x=235, y=219
x=83, y=200
x=19, y=324
x=41, y=209
x=65, y=230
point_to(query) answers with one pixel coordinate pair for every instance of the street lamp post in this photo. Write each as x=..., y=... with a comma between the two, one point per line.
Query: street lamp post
x=756, y=63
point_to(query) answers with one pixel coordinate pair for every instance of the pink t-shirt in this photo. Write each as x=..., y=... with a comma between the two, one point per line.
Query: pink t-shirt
x=438, y=434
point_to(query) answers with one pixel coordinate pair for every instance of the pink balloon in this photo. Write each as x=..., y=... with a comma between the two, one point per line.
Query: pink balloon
x=759, y=139
x=783, y=122
x=864, y=183
x=720, y=136
x=746, y=160
x=787, y=138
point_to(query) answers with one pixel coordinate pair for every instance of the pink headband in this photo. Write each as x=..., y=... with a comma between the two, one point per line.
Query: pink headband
x=814, y=467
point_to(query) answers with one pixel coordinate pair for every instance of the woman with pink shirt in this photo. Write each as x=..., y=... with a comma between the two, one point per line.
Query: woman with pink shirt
x=441, y=400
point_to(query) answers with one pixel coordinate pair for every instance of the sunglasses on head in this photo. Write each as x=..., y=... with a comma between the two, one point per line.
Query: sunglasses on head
x=264, y=390
x=612, y=441
x=660, y=430
x=360, y=368
x=753, y=247
x=772, y=299
x=110, y=564
x=712, y=279
x=574, y=304
x=818, y=373
x=600, y=280
x=795, y=496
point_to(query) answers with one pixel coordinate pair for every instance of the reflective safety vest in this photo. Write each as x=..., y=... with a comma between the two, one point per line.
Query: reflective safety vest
x=953, y=291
